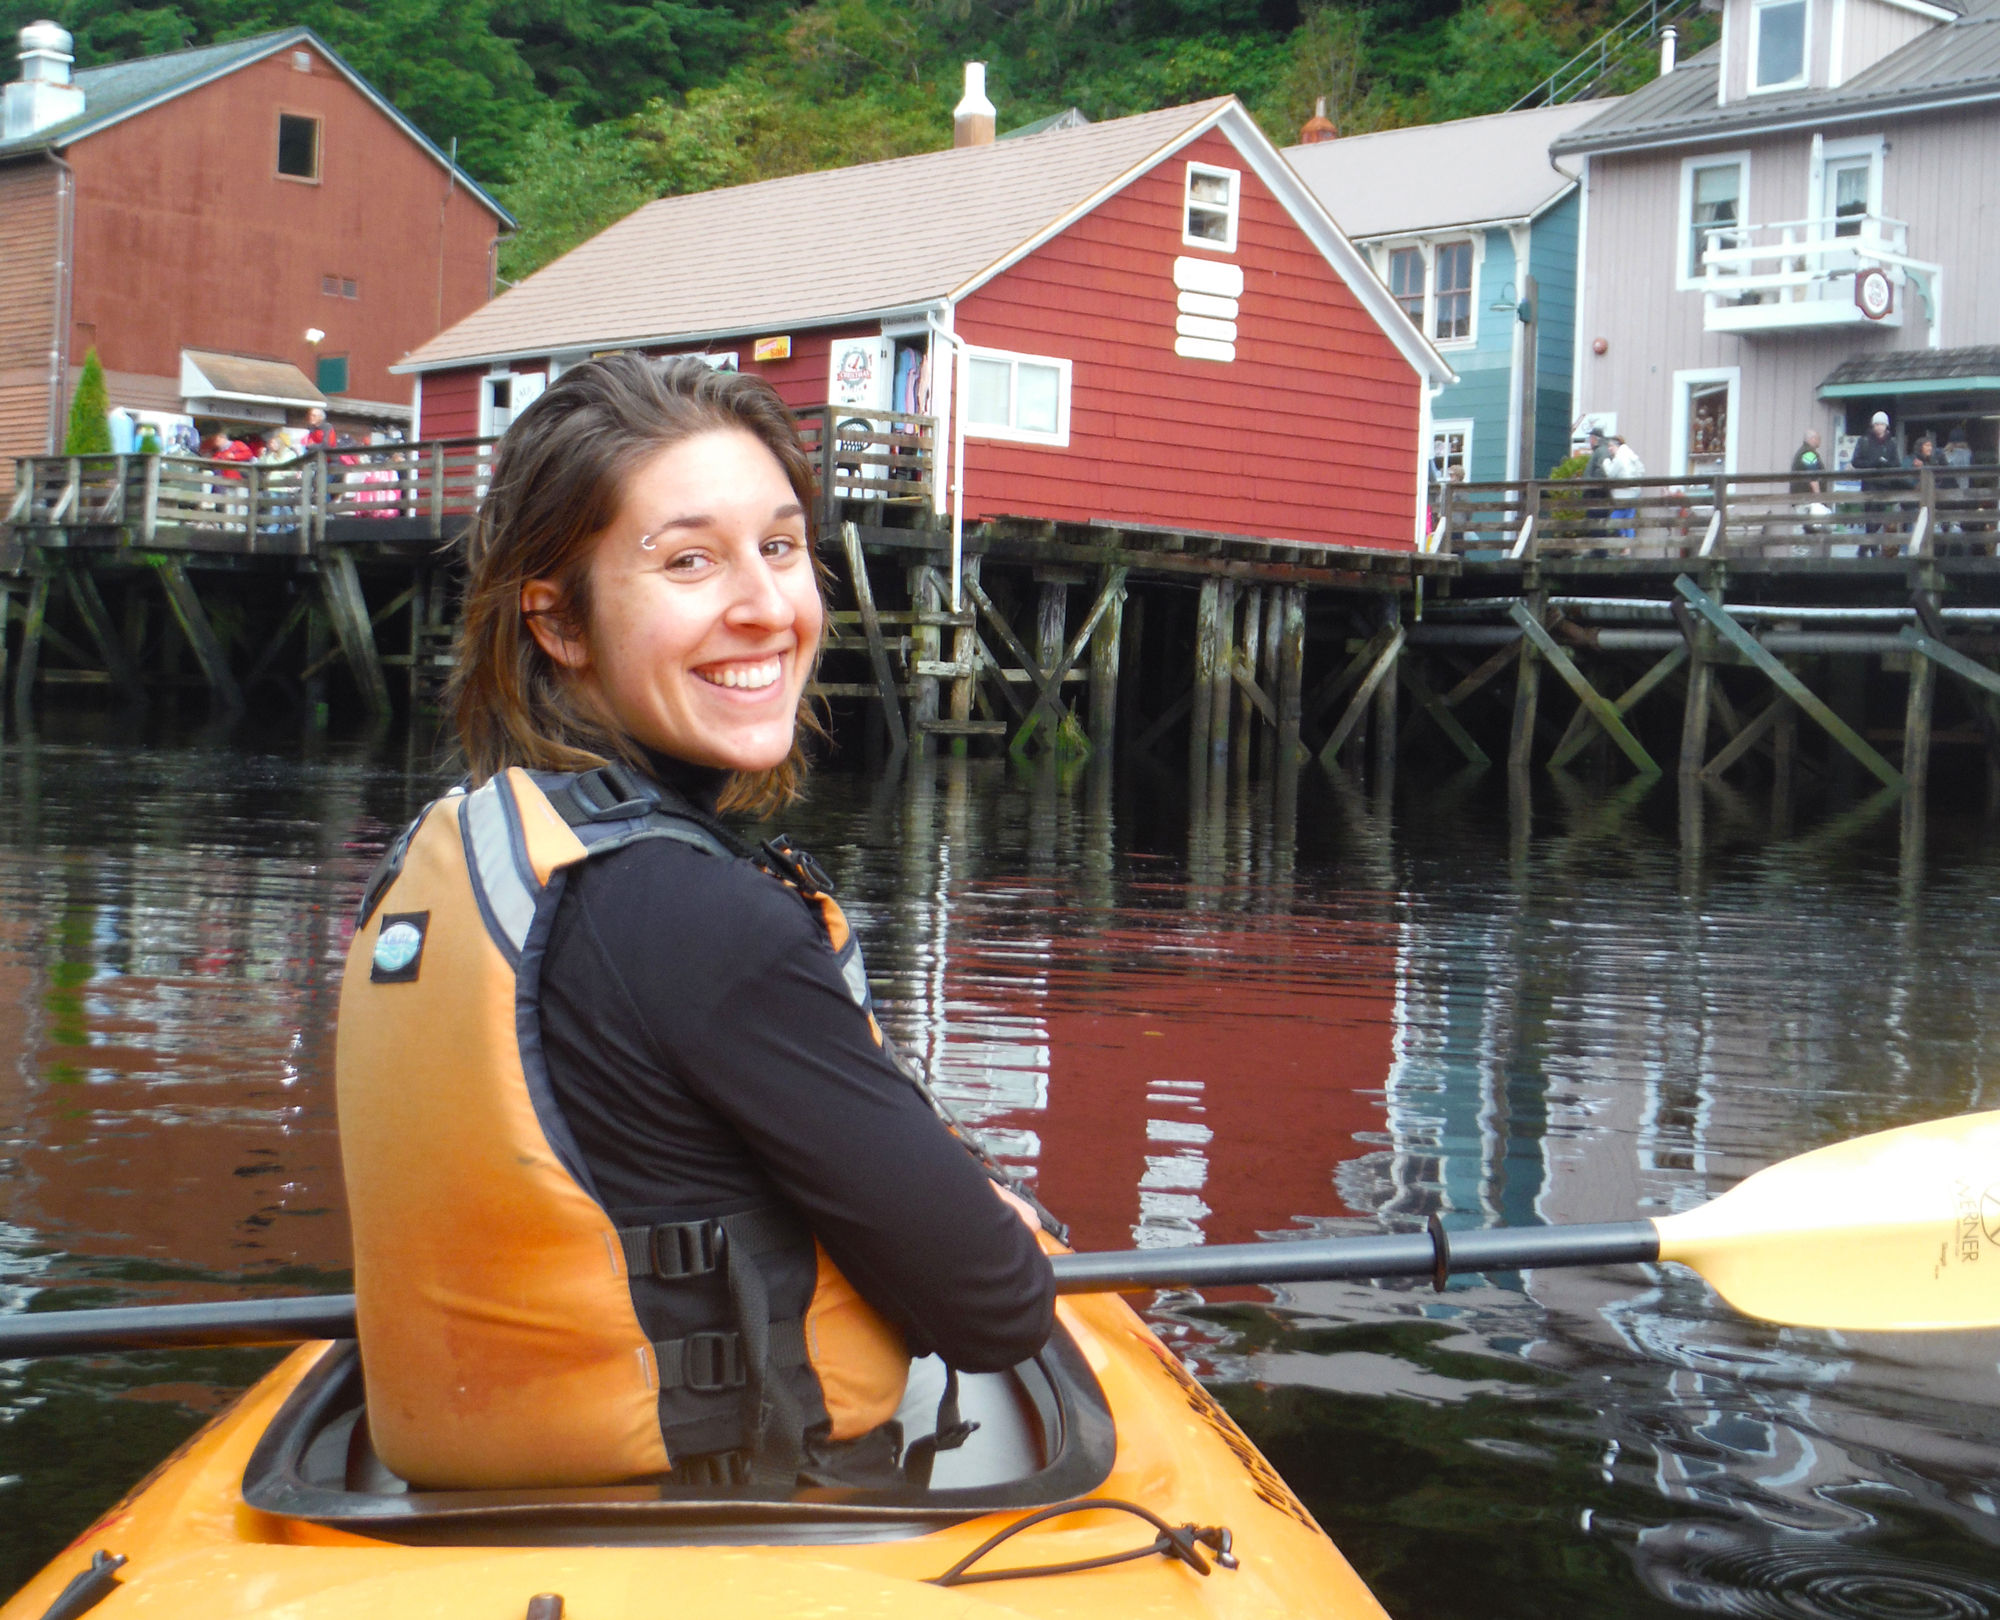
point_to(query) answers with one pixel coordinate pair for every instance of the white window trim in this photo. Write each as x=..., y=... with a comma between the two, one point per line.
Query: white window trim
x=1798, y=80
x=1235, y=178
x=1683, y=243
x=1428, y=246
x=1685, y=383
x=1442, y=428
x=1478, y=242
x=1825, y=153
x=1011, y=435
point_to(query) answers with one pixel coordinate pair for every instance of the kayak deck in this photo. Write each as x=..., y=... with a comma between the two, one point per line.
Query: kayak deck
x=196, y=1545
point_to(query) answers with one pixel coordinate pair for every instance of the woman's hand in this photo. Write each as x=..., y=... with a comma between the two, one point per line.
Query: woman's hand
x=1020, y=1206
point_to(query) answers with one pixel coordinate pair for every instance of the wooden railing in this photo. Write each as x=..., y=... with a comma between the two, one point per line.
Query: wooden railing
x=870, y=455
x=1951, y=511
x=400, y=492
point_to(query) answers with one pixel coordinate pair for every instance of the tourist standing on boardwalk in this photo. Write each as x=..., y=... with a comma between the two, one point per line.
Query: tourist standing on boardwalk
x=1874, y=454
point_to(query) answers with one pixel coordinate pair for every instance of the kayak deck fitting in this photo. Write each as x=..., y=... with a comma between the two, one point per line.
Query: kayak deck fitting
x=1111, y=1484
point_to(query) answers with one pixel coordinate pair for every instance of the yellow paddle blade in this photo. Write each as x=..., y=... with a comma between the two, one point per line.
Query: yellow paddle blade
x=1891, y=1232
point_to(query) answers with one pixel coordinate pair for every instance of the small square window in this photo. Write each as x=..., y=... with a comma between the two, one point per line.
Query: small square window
x=1212, y=197
x=298, y=146
x=330, y=285
x=350, y=289
x=330, y=374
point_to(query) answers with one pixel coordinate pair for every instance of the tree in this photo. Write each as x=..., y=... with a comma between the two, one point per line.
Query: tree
x=89, y=413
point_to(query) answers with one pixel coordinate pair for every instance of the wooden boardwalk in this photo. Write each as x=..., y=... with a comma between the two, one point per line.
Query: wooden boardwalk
x=1723, y=630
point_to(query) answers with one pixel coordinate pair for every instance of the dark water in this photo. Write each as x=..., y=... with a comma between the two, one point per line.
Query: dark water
x=1333, y=1026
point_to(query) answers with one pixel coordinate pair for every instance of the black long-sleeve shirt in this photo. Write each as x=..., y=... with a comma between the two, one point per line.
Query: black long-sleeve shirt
x=707, y=1054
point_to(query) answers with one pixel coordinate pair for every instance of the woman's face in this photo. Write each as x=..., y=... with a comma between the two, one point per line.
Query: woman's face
x=704, y=613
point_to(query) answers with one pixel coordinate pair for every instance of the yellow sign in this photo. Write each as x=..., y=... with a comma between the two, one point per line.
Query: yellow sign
x=777, y=348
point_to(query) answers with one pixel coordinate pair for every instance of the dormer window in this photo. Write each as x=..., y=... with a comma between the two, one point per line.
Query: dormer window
x=1777, y=44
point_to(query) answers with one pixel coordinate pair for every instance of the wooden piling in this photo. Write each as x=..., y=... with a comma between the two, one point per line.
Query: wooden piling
x=1386, y=694
x=1917, y=724
x=1208, y=609
x=1527, y=690
x=31, y=652
x=347, y=612
x=1243, y=676
x=1222, y=686
x=1700, y=695
x=871, y=630
x=926, y=642
x=1291, y=675
x=1106, y=642
x=89, y=604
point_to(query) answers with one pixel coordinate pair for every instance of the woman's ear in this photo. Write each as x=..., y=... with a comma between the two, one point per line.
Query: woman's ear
x=541, y=607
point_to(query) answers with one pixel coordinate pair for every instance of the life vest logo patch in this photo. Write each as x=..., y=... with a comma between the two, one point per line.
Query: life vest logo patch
x=399, y=948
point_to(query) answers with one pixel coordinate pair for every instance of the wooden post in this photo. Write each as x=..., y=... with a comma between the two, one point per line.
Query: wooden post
x=1048, y=709
x=1386, y=693
x=193, y=620
x=1051, y=623
x=925, y=644
x=965, y=656
x=871, y=629
x=1605, y=713
x=31, y=652
x=1917, y=723
x=1105, y=643
x=1207, y=610
x=1131, y=664
x=318, y=631
x=1784, y=746
x=1527, y=690
x=1221, y=687
x=1291, y=674
x=347, y=610
x=1267, y=677
x=1249, y=650
x=1364, y=696
x=1700, y=695
x=149, y=518
x=90, y=608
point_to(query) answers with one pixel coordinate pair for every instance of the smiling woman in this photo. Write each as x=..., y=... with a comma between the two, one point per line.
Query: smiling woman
x=637, y=1189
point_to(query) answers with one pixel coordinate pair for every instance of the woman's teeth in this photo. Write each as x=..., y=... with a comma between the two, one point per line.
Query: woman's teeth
x=748, y=677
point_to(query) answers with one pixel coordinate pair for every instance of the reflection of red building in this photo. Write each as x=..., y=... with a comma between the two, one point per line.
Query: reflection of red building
x=1215, y=1097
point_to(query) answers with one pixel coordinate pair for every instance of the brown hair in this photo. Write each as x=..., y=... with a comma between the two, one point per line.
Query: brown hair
x=558, y=479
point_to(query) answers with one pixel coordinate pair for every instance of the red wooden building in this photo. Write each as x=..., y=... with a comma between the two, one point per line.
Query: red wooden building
x=222, y=203
x=1163, y=327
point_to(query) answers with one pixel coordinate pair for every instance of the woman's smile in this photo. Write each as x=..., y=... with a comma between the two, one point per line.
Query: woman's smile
x=743, y=677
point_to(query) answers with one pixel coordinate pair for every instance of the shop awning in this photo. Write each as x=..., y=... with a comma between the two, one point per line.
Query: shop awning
x=1914, y=371
x=210, y=380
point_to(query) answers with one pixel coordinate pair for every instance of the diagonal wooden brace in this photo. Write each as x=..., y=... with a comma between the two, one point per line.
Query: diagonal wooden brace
x=1050, y=700
x=1748, y=738
x=1385, y=660
x=1433, y=705
x=1633, y=695
x=1592, y=699
x=1788, y=683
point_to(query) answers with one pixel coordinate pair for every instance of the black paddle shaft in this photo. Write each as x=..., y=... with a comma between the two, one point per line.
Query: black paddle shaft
x=1434, y=1253
x=1419, y=1254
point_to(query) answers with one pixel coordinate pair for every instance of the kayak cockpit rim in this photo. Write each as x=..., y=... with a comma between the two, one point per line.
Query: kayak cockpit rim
x=287, y=1478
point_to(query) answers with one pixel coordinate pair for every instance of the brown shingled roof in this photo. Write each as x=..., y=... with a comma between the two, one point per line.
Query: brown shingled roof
x=811, y=249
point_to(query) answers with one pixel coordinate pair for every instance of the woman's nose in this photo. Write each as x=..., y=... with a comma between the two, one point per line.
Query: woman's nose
x=759, y=598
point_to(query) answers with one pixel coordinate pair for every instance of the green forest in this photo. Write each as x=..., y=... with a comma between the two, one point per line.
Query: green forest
x=576, y=111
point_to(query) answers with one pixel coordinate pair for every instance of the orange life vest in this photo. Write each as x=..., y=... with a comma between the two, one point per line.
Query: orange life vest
x=500, y=1338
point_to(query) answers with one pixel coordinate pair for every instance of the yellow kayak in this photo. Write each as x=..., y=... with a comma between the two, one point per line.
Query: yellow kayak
x=280, y=1508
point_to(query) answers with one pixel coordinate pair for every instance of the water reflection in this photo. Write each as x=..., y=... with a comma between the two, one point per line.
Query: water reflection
x=1271, y=1011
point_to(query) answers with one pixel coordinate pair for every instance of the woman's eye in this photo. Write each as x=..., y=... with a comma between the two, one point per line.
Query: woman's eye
x=687, y=562
x=780, y=546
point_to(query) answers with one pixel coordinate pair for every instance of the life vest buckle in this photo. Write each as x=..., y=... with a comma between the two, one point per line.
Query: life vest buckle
x=798, y=867
x=687, y=1249
x=713, y=1362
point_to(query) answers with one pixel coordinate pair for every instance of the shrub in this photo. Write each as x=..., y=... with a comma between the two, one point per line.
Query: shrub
x=89, y=413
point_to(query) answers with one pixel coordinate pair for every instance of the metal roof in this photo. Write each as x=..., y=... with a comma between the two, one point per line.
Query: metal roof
x=1955, y=62
x=1469, y=171
x=1069, y=118
x=120, y=90
x=218, y=375
x=1914, y=371
x=877, y=239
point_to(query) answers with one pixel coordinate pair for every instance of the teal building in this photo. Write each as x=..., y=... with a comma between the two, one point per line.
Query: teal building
x=1474, y=232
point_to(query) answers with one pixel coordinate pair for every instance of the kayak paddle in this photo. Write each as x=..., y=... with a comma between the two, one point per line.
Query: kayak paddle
x=1894, y=1232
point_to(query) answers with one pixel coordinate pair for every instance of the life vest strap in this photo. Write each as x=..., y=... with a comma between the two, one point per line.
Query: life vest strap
x=673, y=1249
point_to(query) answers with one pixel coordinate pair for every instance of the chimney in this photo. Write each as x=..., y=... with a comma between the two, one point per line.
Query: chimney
x=43, y=95
x=1669, y=39
x=1317, y=128
x=972, y=118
